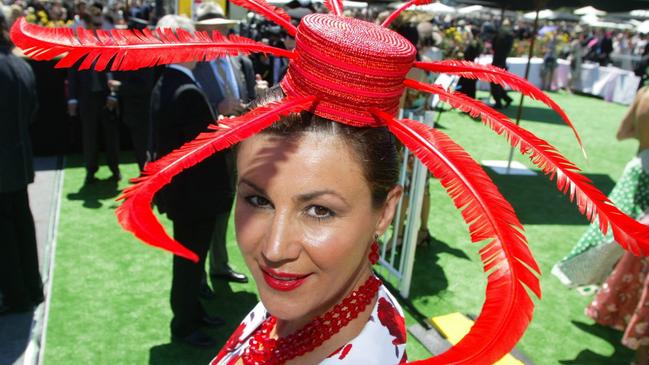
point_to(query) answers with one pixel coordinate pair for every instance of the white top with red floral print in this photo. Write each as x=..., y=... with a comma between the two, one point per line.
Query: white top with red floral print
x=381, y=342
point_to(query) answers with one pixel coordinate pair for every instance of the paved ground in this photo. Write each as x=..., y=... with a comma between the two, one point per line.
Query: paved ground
x=21, y=334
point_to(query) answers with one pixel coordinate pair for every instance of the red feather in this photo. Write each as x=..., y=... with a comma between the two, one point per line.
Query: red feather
x=499, y=76
x=135, y=214
x=630, y=234
x=334, y=6
x=403, y=7
x=129, y=50
x=508, y=308
x=272, y=13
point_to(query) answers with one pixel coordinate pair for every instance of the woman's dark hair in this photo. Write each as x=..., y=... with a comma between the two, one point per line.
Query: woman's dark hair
x=375, y=148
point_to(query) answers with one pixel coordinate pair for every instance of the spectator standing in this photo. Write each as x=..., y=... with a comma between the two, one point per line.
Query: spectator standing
x=180, y=111
x=576, y=59
x=134, y=91
x=20, y=280
x=550, y=63
x=472, y=50
x=229, y=83
x=89, y=97
x=502, y=44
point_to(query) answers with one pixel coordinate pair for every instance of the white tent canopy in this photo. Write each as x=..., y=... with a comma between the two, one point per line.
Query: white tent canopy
x=472, y=9
x=435, y=8
x=643, y=27
x=639, y=13
x=589, y=10
x=543, y=14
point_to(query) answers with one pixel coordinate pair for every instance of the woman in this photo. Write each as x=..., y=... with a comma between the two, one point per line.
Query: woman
x=623, y=301
x=592, y=258
x=307, y=239
x=310, y=203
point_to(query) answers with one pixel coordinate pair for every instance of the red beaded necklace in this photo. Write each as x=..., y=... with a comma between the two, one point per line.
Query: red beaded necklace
x=263, y=350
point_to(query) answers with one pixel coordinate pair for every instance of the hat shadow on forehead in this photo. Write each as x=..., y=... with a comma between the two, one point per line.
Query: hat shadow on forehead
x=353, y=72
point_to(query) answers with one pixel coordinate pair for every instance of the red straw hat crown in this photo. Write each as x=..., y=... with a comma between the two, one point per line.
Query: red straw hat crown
x=352, y=67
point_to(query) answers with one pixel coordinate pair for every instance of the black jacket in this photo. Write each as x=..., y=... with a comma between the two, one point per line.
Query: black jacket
x=18, y=104
x=179, y=112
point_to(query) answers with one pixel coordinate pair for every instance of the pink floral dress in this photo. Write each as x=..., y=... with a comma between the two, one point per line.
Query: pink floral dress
x=623, y=301
x=382, y=340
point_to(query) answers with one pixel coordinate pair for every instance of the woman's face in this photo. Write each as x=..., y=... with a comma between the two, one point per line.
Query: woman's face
x=305, y=221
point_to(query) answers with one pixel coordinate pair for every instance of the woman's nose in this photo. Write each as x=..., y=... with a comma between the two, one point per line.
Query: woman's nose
x=282, y=242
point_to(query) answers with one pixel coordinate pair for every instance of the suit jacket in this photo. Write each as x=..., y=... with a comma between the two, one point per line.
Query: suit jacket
x=81, y=84
x=18, y=105
x=502, y=45
x=243, y=72
x=180, y=111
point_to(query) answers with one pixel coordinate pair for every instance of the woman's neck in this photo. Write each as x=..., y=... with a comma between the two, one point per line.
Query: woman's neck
x=287, y=327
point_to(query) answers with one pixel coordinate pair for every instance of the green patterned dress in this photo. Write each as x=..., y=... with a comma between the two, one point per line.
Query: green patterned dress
x=594, y=256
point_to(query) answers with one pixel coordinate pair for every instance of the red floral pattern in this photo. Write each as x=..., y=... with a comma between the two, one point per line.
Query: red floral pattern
x=623, y=301
x=393, y=321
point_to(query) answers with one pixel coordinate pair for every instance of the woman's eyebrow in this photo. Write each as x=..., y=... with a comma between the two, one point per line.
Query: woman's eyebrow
x=314, y=194
x=253, y=186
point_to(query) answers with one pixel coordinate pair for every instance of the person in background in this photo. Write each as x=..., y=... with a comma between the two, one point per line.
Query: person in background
x=502, y=44
x=623, y=301
x=229, y=83
x=180, y=111
x=550, y=63
x=594, y=255
x=89, y=98
x=472, y=50
x=20, y=280
x=576, y=59
x=134, y=91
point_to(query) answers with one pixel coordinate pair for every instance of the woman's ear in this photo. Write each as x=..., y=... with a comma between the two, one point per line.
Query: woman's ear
x=388, y=209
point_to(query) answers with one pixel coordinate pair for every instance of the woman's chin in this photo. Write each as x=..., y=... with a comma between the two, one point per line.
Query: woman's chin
x=284, y=310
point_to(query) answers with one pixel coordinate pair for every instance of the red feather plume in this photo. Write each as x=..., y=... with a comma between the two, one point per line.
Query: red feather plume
x=270, y=12
x=334, y=6
x=508, y=308
x=499, y=76
x=630, y=234
x=401, y=8
x=129, y=50
x=135, y=213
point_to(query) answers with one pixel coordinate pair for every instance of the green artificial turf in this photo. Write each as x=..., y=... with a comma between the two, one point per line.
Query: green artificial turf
x=110, y=301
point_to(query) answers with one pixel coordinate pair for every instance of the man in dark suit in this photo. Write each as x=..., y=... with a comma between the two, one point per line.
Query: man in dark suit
x=502, y=44
x=20, y=280
x=89, y=97
x=229, y=83
x=180, y=111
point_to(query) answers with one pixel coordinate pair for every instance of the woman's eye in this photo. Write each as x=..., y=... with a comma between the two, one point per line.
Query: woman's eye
x=258, y=201
x=320, y=212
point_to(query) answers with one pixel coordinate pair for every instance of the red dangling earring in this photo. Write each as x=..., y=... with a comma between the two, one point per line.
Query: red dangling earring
x=374, y=251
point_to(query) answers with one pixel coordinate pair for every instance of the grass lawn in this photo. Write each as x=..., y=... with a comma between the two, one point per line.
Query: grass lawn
x=110, y=297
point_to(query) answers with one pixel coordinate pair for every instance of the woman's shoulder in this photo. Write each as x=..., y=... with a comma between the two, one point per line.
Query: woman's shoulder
x=382, y=340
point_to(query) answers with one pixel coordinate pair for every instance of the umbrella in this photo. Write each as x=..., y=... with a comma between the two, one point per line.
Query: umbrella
x=589, y=10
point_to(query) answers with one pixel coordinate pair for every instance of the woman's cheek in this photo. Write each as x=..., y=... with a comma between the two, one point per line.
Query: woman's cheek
x=245, y=227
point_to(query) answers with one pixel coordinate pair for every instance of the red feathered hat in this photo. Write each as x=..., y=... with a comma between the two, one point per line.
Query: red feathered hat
x=354, y=72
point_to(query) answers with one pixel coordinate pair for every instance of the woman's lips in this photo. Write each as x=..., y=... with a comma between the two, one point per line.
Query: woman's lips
x=283, y=281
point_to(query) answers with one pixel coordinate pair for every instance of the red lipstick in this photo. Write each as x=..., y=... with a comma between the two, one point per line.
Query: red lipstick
x=283, y=281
